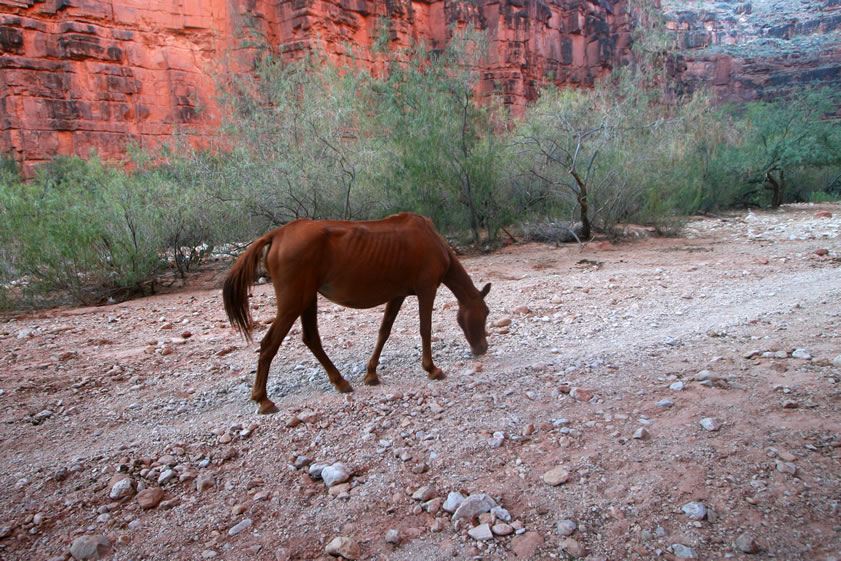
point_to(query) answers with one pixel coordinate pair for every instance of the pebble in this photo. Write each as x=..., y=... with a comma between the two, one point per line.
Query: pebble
x=705, y=375
x=641, y=434
x=150, y=498
x=556, y=476
x=746, y=543
x=502, y=529
x=473, y=506
x=802, y=354
x=167, y=476
x=497, y=440
x=335, y=474
x=392, y=537
x=90, y=547
x=315, y=470
x=344, y=547
x=425, y=493
x=665, y=403
x=501, y=514
x=240, y=526
x=683, y=551
x=581, y=394
x=453, y=501
x=836, y=362
x=482, y=532
x=677, y=386
x=709, y=424
x=122, y=489
x=786, y=467
x=204, y=482
x=42, y=416
x=695, y=510
x=566, y=527
x=574, y=547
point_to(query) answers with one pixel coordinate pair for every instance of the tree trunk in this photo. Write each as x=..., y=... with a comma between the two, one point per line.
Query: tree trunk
x=777, y=188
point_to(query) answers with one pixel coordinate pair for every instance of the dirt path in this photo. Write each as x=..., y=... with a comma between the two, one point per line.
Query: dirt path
x=603, y=363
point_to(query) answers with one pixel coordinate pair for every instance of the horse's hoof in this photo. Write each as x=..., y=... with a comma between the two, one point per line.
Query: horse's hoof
x=371, y=380
x=344, y=387
x=267, y=408
x=437, y=374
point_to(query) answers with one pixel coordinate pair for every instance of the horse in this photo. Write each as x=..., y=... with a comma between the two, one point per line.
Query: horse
x=356, y=264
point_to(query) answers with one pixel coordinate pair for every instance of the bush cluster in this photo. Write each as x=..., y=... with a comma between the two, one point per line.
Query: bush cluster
x=306, y=138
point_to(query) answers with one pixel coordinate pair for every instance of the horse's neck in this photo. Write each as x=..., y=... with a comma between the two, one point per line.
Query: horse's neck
x=459, y=282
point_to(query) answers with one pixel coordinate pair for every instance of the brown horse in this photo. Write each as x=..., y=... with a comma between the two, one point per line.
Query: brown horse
x=357, y=265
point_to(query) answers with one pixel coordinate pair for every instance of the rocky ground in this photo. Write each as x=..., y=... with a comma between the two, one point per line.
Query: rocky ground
x=655, y=399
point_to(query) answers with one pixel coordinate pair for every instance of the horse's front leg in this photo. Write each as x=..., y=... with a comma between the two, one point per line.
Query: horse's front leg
x=425, y=303
x=311, y=338
x=268, y=349
x=390, y=314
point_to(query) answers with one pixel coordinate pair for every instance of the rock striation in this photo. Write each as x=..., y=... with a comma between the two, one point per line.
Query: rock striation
x=82, y=75
x=77, y=75
x=746, y=50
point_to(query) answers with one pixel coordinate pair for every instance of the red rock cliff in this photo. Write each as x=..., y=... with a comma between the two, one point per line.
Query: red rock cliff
x=77, y=75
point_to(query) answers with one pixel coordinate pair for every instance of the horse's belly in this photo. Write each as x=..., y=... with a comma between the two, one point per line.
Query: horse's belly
x=361, y=298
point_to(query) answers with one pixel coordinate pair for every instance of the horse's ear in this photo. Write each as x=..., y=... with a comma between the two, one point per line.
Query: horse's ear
x=485, y=290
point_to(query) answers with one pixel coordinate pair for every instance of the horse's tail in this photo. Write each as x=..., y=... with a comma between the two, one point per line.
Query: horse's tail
x=237, y=283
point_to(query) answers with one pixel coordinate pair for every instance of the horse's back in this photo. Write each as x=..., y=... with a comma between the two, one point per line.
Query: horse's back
x=366, y=263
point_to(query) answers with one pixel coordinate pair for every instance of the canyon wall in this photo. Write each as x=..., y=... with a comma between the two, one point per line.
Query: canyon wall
x=745, y=50
x=77, y=75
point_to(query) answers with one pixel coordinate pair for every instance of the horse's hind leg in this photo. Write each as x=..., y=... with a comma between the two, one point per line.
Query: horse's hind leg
x=268, y=349
x=309, y=328
x=390, y=314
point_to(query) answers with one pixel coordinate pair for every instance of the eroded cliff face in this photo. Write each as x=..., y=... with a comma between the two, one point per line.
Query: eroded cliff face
x=77, y=75
x=746, y=50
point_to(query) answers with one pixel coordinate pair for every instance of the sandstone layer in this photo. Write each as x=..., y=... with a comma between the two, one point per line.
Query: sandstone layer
x=746, y=50
x=77, y=75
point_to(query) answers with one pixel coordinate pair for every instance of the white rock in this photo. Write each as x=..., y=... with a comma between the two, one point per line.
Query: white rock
x=121, y=489
x=335, y=474
x=425, y=493
x=240, y=526
x=566, y=527
x=683, y=552
x=694, y=510
x=710, y=424
x=453, y=501
x=344, y=547
x=836, y=362
x=473, y=506
x=502, y=529
x=481, y=532
x=641, y=433
x=392, y=537
x=801, y=354
x=90, y=547
x=166, y=476
x=501, y=514
x=677, y=386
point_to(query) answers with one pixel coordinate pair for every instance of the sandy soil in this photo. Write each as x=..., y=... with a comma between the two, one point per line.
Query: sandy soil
x=587, y=346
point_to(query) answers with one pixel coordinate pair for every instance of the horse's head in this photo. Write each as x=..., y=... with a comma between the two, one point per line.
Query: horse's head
x=472, y=315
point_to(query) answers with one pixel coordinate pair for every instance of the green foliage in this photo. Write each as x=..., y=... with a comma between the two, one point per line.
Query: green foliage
x=444, y=159
x=294, y=145
x=305, y=138
x=73, y=231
